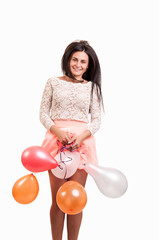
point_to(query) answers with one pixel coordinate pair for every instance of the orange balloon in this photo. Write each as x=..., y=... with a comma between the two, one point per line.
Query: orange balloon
x=25, y=189
x=71, y=197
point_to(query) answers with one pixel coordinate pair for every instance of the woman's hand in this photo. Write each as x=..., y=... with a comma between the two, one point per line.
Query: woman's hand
x=77, y=140
x=63, y=137
x=66, y=138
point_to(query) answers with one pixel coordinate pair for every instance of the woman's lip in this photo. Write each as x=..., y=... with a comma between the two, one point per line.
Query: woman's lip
x=77, y=69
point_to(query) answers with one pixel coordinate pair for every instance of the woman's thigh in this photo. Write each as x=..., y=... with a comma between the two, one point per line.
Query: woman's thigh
x=80, y=176
x=55, y=184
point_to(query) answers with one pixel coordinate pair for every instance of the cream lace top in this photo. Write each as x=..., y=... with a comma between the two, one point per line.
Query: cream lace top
x=67, y=100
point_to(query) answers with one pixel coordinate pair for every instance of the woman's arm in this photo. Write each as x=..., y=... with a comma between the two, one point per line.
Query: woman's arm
x=45, y=119
x=45, y=106
x=95, y=111
x=62, y=136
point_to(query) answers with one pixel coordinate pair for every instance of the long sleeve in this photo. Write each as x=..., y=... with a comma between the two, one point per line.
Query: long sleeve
x=46, y=103
x=95, y=111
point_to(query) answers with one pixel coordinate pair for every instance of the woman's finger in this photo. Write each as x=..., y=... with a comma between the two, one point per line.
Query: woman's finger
x=75, y=146
x=64, y=141
x=72, y=140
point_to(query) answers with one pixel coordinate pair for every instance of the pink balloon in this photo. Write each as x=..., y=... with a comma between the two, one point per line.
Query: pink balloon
x=37, y=159
x=68, y=163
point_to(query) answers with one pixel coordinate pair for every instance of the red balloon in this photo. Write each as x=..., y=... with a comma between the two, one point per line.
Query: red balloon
x=37, y=159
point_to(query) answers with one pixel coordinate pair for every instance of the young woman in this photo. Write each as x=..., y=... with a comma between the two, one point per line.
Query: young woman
x=66, y=104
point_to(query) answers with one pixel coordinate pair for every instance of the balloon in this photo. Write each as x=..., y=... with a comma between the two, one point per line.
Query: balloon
x=37, y=159
x=111, y=182
x=25, y=189
x=71, y=197
x=68, y=163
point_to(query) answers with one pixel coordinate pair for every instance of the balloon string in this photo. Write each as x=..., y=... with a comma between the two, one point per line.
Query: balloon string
x=62, y=150
x=64, y=147
x=64, y=162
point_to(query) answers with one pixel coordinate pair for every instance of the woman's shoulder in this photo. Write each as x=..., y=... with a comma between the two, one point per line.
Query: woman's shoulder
x=56, y=79
x=53, y=80
x=61, y=78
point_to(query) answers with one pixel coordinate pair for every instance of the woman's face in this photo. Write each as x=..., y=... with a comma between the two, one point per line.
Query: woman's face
x=78, y=64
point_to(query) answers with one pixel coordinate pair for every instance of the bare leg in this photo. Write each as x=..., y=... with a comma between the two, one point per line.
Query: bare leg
x=74, y=221
x=56, y=215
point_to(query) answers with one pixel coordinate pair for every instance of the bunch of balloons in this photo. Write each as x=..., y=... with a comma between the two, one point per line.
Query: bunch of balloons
x=34, y=159
x=71, y=197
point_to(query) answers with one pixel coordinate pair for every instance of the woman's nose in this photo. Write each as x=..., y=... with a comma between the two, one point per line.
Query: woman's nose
x=78, y=64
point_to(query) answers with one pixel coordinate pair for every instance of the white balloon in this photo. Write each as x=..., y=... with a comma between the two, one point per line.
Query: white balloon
x=111, y=182
x=68, y=163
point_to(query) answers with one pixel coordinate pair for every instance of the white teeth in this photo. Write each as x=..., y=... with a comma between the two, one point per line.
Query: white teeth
x=77, y=69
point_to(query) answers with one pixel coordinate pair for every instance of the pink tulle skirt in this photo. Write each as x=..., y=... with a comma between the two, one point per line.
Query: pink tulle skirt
x=87, y=149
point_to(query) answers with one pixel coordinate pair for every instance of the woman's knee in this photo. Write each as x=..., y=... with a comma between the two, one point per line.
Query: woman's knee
x=54, y=208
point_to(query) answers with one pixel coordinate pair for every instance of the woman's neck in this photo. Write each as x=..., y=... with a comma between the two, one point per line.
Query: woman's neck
x=76, y=80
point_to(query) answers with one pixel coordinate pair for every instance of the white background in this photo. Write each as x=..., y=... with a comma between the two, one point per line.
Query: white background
x=125, y=36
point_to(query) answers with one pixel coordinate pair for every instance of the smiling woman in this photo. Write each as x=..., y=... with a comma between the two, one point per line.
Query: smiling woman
x=79, y=64
x=66, y=104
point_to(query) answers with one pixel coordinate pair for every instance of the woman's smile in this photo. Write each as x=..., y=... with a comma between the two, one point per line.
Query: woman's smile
x=78, y=64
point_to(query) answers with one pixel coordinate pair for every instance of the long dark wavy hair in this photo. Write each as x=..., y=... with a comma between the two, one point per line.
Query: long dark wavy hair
x=93, y=72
